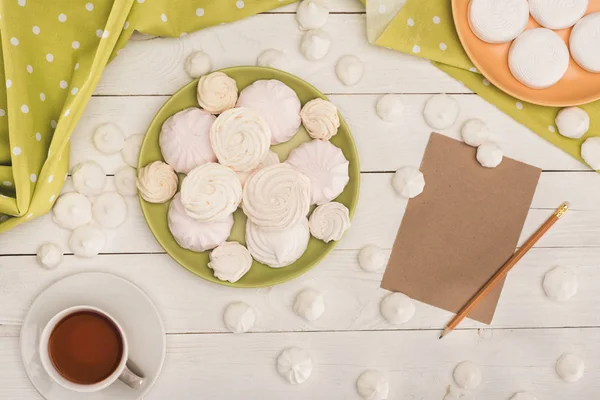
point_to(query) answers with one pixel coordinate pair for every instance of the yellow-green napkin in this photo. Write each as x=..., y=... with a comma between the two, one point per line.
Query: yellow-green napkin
x=426, y=29
x=53, y=53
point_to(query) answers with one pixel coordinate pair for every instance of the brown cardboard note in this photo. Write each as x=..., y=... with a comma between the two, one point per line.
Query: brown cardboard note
x=461, y=229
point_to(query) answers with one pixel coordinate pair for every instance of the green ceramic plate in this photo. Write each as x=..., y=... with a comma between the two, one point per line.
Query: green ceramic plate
x=259, y=275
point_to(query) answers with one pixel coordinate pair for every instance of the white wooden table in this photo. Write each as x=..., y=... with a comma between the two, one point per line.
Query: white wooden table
x=518, y=352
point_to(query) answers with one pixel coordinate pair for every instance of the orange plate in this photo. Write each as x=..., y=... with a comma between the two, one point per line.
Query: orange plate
x=577, y=86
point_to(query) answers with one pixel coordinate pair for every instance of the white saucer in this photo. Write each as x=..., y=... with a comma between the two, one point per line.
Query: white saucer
x=127, y=303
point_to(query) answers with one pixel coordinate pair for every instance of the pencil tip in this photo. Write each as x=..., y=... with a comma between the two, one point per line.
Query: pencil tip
x=441, y=336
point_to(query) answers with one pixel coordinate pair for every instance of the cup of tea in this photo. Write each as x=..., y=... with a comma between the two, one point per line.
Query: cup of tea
x=84, y=349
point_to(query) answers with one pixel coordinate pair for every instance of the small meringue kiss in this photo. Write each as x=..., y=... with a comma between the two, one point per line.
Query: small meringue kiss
x=329, y=221
x=72, y=210
x=309, y=304
x=312, y=14
x=408, y=182
x=88, y=178
x=157, y=182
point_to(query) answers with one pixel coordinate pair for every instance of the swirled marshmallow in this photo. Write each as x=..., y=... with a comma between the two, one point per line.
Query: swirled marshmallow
x=89, y=178
x=87, y=241
x=312, y=14
x=496, y=21
x=557, y=14
x=320, y=118
x=329, y=221
x=197, y=64
x=273, y=58
x=109, y=209
x=572, y=122
x=315, y=44
x=230, y=261
x=584, y=40
x=270, y=159
x=157, y=182
x=277, y=197
x=217, y=92
x=109, y=138
x=185, y=140
x=72, y=210
x=326, y=167
x=210, y=193
x=277, y=249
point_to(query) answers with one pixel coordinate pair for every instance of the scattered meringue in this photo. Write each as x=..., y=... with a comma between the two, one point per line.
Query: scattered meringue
x=87, y=241
x=467, y=375
x=570, y=368
x=217, y=92
x=88, y=178
x=277, y=103
x=309, y=304
x=315, y=44
x=320, y=118
x=474, y=132
x=590, y=152
x=523, y=396
x=197, y=64
x=210, y=193
x=230, y=261
x=329, y=221
x=49, y=255
x=390, y=108
x=583, y=42
x=109, y=138
x=572, y=122
x=109, y=209
x=272, y=58
x=125, y=181
x=240, y=138
x=349, y=70
x=131, y=149
x=192, y=234
x=371, y=258
x=312, y=14
x=72, y=210
x=373, y=385
x=397, y=308
x=408, y=182
x=157, y=182
x=489, y=155
x=277, y=197
x=560, y=284
x=277, y=249
x=325, y=166
x=441, y=111
x=185, y=139
x=295, y=365
x=239, y=317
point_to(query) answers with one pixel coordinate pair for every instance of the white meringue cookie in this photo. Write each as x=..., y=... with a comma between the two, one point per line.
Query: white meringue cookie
x=72, y=210
x=496, y=21
x=467, y=375
x=371, y=258
x=474, y=132
x=211, y=192
x=240, y=138
x=109, y=209
x=583, y=42
x=572, y=122
x=197, y=64
x=523, y=396
x=557, y=14
x=276, y=197
x=329, y=221
x=109, y=138
x=87, y=241
x=408, y=182
x=194, y=235
x=326, y=167
x=560, y=284
x=309, y=304
x=239, y=317
x=295, y=365
x=185, y=140
x=373, y=385
x=441, y=111
x=230, y=261
x=390, y=108
x=277, y=103
x=89, y=178
x=125, y=181
x=131, y=149
x=320, y=118
x=570, y=368
x=273, y=58
x=397, y=308
x=590, y=152
x=349, y=70
x=49, y=255
x=277, y=249
x=489, y=155
x=315, y=44
x=157, y=182
x=217, y=92
x=312, y=14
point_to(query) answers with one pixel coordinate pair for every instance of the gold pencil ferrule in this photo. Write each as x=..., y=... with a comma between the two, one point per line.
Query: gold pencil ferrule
x=562, y=209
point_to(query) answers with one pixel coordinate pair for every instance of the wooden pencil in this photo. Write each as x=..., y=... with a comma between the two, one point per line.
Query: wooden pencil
x=501, y=273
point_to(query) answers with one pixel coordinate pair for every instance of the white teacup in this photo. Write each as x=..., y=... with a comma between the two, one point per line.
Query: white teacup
x=121, y=373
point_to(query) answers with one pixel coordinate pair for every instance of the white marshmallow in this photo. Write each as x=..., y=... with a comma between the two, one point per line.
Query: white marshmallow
x=197, y=64
x=109, y=209
x=87, y=241
x=295, y=365
x=371, y=258
x=131, y=149
x=390, y=108
x=467, y=375
x=72, y=210
x=309, y=304
x=109, y=138
x=557, y=14
x=277, y=249
x=125, y=181
x=315, y=44
x=373, y=385
x=397, y=308
x=496, y=21
x=584, y=40
x=441, y=111
x=489, y=155
x=89, y=178
x=157, y=182
x=329, y=221
x=572, y=122
x=349, y=70
x=474, y=132
x=49, y=255
x=408, y=182
x=312, y=14
x=239, y=317
x=560, y=284
x=570, y=368
x=230, y=261
x=217, y=92
x=320, y=118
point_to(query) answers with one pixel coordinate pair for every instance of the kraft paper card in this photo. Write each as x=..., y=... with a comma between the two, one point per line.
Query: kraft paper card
x=461, y=229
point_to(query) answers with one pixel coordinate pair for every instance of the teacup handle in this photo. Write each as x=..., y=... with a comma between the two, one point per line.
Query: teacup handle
x=130, y=379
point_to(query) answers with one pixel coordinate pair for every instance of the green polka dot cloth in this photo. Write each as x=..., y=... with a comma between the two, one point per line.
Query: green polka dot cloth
x=425, y=28
x=53, y=53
